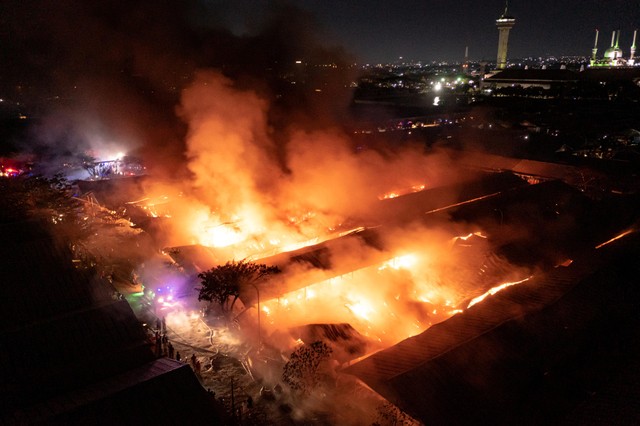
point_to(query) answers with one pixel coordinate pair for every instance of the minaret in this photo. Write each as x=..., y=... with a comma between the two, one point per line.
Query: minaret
x=504, y=24
x=594, y=51
x=633, y=49
x=613, y=39
x=465, y=65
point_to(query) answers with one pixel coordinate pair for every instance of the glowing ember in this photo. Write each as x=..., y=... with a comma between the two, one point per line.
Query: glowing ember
x=156, y=207
x=398, y=193
x=389, y=195
x=617, y=237
x=471, y=234
x=494, y=290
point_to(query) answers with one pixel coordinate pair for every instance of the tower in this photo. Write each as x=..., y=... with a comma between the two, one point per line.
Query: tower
x=594, y=51
x=504, y=24
x=632, y=57
x=465, y=65
x=613, y=54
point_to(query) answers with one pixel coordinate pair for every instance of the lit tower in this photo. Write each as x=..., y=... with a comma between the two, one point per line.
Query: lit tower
x=504, y=24
x=594, y=51
x=613, y=53
x=632, y=58
x=465, y=65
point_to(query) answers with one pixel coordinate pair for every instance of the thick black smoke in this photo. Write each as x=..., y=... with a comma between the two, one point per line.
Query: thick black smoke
x=107, y=75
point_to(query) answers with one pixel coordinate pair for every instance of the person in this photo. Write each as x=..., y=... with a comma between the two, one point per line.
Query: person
x=170, y=347
x=193, y=360
x=178, y=356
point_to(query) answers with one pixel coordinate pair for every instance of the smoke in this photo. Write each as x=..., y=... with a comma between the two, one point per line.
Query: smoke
x=99, y=76
x=249, y=128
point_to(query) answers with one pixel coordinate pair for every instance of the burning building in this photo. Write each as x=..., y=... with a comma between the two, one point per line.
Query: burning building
x=543, y=351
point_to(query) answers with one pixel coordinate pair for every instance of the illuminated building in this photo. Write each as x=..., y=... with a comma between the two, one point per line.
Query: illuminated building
x=613, y=56
x=504, y=24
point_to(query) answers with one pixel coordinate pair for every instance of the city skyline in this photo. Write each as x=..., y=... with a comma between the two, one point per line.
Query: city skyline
x=382, y=31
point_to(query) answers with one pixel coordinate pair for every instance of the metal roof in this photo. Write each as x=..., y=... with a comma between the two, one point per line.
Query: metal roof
x=476, y=366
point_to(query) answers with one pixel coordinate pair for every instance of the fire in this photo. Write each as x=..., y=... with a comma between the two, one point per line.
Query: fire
x=153, y=207
x=387, y=302
x=242, y=200
x=389, y=195
x=496, y=289
x=222, y=235
x=397, y=193
x=469, y=235
x=400, y=262
x=361, y=309
x=617, y=237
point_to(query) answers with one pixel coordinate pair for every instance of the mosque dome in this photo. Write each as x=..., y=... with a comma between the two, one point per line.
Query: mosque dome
x=613, y=53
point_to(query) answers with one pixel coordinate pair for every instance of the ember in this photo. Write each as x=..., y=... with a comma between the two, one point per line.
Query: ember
x=617, y=237
x=494, y=290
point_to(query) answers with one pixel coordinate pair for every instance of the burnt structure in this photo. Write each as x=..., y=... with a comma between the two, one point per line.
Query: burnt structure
x=560, y=349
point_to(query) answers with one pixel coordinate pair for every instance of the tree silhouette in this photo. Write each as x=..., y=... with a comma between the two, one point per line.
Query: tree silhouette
x=50, y=199
x=223, y=283
x=301, y=371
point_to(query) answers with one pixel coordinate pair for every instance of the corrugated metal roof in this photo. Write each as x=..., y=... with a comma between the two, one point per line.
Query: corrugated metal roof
x=495, y=310
x=432, y=376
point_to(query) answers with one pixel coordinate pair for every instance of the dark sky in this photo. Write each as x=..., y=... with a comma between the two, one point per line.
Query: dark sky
x=383, y=30
x=117, y=68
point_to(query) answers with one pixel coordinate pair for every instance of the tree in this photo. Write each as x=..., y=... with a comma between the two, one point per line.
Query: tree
x=45, y=198
x=301, y=372
x=224, y=282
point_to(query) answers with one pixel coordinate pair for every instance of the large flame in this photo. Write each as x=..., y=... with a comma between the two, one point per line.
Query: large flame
x=255, y=199
x=386, y=302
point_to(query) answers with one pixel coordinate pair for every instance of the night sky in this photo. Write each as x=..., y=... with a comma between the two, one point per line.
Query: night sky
x=117, y=68
x=383, y=30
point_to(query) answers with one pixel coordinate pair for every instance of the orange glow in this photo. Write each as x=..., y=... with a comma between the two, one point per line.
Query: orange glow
x=387, y=302
x=398, y=193
x=617, y=237
x=153, y=207
x=400, y=262
x=362, y=309
x=222, y=235
x=471, y=234
x=494, y=290
x=254, y=197
x=389, y=195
